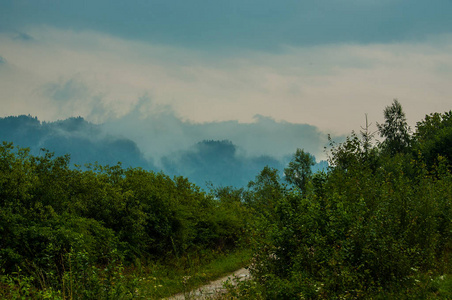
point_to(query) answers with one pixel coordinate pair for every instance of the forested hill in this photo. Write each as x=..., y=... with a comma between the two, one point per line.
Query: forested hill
x=216, y=162
x=83, y=141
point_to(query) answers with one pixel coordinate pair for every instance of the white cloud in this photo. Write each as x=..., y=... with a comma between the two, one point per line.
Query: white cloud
x=331, y=86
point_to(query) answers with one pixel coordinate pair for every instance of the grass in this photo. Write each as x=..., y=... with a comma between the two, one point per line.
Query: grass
x=153, y=280
x=141, y=280
x=159, y=281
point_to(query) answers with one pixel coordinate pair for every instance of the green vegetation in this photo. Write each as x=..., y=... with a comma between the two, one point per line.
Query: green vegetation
x=96, y=233
x=377, y=224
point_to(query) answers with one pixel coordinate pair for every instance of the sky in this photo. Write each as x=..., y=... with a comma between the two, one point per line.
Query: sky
x=266, y=75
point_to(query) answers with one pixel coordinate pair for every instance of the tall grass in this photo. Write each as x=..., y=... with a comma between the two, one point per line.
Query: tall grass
x=143, y=279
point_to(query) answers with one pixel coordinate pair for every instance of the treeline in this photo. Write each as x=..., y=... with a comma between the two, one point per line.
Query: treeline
x=68, y=233
x=377, y=225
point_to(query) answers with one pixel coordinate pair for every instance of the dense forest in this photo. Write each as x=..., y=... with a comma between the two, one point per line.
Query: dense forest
x=376, y=224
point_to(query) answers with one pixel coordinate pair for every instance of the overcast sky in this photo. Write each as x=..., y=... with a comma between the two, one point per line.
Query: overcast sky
x=316, y=62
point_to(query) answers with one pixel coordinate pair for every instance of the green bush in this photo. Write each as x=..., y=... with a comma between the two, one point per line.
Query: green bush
x=70, y=230
x=372, y=225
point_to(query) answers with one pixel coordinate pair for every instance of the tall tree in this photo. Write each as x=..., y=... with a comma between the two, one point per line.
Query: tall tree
x=395, y=129
x=299, y=170
x=433, y=137
x=265, y=190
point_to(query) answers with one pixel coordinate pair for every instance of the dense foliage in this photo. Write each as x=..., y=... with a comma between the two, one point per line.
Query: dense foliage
x=58, y=223
x=378, y=224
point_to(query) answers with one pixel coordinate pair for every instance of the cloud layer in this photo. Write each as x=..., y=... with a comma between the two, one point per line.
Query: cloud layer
x=158, y=132
x=59, y=74
x=252, y=24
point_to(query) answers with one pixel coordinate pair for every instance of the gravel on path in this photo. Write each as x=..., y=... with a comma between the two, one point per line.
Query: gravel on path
x=213, y=288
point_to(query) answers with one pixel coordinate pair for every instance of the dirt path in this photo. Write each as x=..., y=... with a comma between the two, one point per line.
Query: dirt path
x=213, y=288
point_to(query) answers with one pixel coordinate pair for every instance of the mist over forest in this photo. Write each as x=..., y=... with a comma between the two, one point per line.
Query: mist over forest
x=218, y=153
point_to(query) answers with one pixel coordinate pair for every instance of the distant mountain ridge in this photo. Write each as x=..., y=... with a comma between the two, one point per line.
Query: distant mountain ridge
x=215, y=162
x=84, y=141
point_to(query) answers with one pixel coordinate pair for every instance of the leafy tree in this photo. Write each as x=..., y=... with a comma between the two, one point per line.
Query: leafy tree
x=299, y=170
x=433, y=137
x=395, y=130
x=265, y=190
